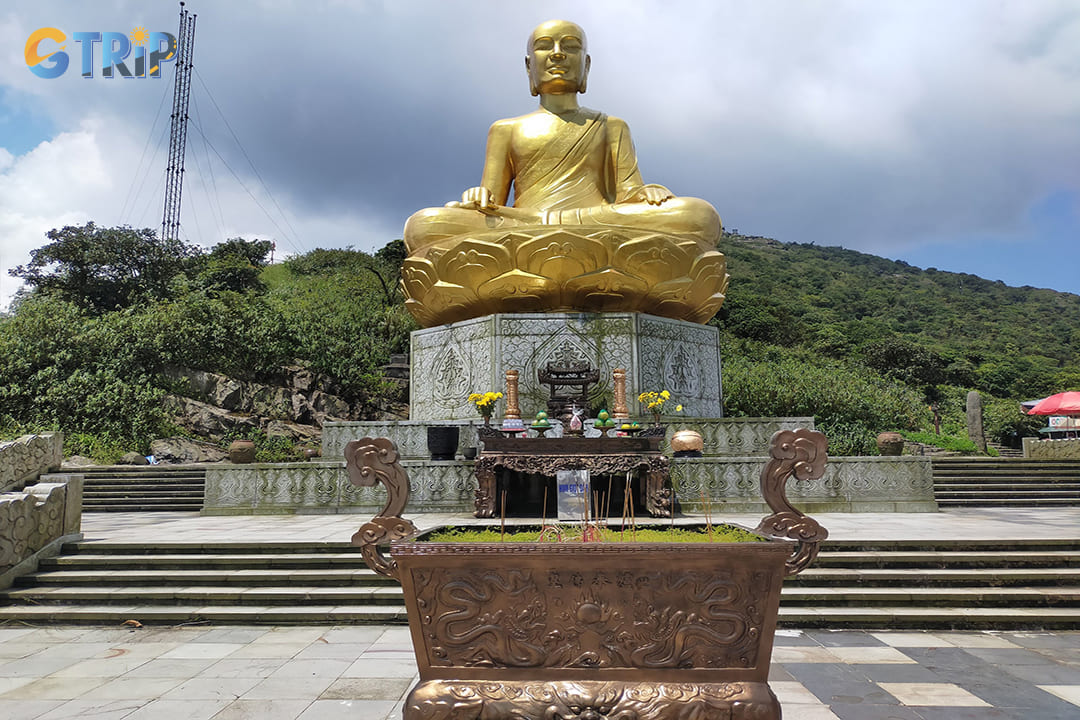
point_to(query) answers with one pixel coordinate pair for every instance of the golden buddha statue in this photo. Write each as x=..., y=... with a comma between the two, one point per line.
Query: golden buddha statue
x=584, y=233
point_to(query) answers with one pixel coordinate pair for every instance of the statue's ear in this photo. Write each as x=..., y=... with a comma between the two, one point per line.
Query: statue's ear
x=533, y=88
x=585, y=74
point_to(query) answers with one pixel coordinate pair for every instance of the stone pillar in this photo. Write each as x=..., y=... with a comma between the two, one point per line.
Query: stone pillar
x=975, y=420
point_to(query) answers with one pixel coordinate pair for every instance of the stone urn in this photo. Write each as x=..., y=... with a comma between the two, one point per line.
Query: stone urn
x=242, y=451
x=687, y=443
x=890, y=443
x=442, y=441
x=557, y=630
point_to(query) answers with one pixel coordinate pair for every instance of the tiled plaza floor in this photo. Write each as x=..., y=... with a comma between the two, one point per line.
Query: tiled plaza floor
x=363, y=673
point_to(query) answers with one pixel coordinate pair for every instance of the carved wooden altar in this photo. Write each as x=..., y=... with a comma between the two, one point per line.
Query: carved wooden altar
x=600, y=456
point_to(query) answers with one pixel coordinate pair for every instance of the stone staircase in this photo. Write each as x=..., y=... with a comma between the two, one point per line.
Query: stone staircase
x=129, y=488
x=1004, y=450
x=996, y=482
x=949, y=584
x=958, y=584
x=281, y=583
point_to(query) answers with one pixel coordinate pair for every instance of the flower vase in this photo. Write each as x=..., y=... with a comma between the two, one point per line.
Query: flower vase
x=487, y=419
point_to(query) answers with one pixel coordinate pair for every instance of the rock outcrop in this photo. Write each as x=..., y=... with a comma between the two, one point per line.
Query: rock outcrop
x=186, y=450
x=210, y=405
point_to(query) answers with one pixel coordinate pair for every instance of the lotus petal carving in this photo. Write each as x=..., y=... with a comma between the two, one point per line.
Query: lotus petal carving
x=551, y=269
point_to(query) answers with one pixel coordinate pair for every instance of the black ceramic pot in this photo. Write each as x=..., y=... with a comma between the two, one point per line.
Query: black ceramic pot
x=442, y=441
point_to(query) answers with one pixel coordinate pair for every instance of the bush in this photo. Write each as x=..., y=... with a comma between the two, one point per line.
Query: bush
x=850, y=403
x=268, y=448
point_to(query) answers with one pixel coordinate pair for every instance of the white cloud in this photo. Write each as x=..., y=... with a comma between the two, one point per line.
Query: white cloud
x=879, y=126
x=57, y=183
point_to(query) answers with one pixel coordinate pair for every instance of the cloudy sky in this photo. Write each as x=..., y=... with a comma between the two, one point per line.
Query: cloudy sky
x=942, y=133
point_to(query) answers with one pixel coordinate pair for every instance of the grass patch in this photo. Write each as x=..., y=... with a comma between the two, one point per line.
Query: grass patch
x=945, y=442
x=574, y=533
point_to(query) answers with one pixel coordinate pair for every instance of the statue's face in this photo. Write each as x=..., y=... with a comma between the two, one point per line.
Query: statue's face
x=557, y=61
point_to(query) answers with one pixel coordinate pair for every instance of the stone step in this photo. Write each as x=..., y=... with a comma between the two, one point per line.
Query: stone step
x=284, y=577
x=997, y=494
x=205, y=594
x=146, y=477
x=183, y=495
x=135, y=507
x=1006, y=474
x=222, y=614
x=160, y=469
x=881, y=577
x=953, y=545
x=1057, y=596
x=145, y=487
x=790, y=616
x=951, y=460
x=110, y=547
x=1051, y=596
x=149, y=500
x=1008, y=502
x=944, y=618
x=999, y=487
x=950, y=559
x=201, y=560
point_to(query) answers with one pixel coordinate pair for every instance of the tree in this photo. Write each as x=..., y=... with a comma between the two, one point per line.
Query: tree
x=104, y=269
x=233, y=265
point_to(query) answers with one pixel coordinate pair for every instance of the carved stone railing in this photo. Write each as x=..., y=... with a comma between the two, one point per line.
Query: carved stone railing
x=24, y=459
x=40, y=511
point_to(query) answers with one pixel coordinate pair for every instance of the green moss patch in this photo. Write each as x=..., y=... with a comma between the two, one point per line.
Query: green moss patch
x=575, y=533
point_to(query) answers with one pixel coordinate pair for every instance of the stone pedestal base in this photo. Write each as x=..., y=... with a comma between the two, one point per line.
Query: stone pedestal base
x=451, y=361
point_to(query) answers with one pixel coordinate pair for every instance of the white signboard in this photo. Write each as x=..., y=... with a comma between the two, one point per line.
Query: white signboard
x=573, y=487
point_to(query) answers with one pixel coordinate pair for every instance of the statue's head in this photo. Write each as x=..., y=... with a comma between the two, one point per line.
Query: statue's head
x=557, y=58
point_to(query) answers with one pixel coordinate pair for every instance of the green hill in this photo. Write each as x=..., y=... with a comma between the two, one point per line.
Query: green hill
x=863, y=343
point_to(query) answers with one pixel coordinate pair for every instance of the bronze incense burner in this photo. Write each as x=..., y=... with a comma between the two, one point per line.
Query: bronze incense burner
x=593, y=631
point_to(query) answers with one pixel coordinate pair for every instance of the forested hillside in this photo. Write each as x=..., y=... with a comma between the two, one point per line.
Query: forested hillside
x=117, y=327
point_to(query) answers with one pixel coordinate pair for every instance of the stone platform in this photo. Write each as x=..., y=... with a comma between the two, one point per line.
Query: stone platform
x=725, y=479
x=451, y=361
x=708, y=484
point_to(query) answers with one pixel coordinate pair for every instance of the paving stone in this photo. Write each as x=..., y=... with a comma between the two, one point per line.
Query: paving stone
x=132, y=688
x=289, y=688
x=54, y=688
x=26, y=709
x=861, y=711
x=346, y=709
x=839, y=684
x=387, y=688
x=81, y=709
x=264, y=710
x=915, y=694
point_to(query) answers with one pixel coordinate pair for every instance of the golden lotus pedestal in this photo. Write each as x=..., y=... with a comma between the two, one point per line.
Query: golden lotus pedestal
x=547, y=268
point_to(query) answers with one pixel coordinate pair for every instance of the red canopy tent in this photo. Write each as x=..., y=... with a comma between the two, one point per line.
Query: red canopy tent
x=1065, y=403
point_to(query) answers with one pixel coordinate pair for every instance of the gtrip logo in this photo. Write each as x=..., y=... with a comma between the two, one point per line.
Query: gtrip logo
x=46, y=58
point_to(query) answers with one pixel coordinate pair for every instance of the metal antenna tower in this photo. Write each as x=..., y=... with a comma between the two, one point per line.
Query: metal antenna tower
x=174, y=180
